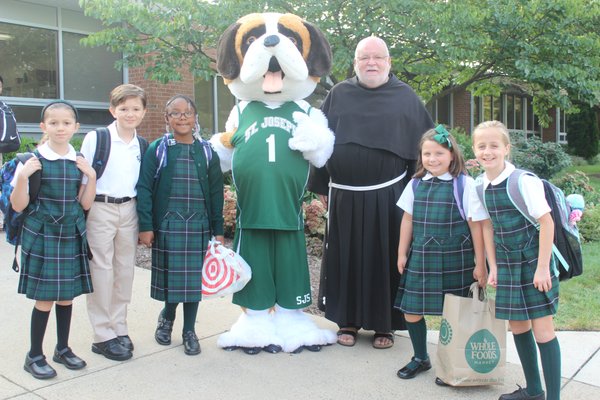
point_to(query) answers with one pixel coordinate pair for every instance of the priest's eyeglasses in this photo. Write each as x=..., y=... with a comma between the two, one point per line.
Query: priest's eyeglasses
x=374, y=58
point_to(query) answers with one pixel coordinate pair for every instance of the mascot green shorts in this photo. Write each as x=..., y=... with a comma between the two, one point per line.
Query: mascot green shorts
x=279, y=269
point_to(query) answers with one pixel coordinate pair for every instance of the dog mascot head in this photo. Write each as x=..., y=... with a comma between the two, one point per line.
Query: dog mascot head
x=272, y=57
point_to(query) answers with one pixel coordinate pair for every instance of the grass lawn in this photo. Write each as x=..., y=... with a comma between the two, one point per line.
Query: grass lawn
x=579, y=308
x=592, y=171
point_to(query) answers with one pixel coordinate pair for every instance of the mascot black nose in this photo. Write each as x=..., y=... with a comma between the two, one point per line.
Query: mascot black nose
x=271, y=41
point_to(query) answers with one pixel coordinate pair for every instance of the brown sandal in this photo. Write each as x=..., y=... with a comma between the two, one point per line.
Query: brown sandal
x=377, y=343
x=349, y=332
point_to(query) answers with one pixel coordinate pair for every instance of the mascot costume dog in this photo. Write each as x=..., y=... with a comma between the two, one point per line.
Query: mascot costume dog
x=271, y=62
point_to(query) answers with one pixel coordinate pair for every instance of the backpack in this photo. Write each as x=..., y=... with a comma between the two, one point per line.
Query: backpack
x=9, y=135
x=13, y=220
x=567, y=244
x=458, y=183
x=103, y=150
x=168, y=140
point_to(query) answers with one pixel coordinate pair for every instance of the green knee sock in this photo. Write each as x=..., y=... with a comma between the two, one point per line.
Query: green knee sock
x=418, y=338
x=169, y=311
x=190, y=310
x=550, y=355
x=525, y=344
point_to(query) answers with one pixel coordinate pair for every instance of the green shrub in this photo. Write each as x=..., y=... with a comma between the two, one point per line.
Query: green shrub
x=589, y=226
x=578, y=182
x=544, y=159
x=464, y=142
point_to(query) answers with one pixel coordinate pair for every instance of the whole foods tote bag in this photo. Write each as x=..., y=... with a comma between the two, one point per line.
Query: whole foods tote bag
x=472, y=343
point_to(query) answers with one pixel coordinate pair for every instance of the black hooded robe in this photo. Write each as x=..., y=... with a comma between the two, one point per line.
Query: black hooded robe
x=377, y=134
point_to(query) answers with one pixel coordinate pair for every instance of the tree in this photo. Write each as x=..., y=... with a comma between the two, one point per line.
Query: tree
x=584, y=133
x=551, y=48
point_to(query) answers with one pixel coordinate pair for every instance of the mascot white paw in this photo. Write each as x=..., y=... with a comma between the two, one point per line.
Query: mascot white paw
x=298, y=331
x=312, y=137
x=252, y=332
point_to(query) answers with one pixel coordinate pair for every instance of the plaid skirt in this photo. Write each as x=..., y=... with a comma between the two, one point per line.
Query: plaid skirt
x=516, y=297
x=177, y=257
x=54, y=262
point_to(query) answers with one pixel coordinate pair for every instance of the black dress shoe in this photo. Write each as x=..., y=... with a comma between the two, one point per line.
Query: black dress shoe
x=521, y=394
x=440, y=382
x=112, y=349
x=67, y=358
x=191, y=345
x=43, y=371
x=411, y=369
x=126, y=342
x=163, y=331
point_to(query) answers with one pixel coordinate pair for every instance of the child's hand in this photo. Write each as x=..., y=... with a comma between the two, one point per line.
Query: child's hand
x=85, y=167
x=30, y=166
x=146, y=238
x=480, y=275
x=492, y=278
x=402, y=263
x=542, y=280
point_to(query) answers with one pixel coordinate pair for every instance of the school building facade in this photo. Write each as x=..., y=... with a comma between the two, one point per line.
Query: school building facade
x=41, y=59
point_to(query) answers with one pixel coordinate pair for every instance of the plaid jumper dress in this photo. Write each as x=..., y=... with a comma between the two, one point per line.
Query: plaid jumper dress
x=517, y=244
x=182, y=237
x=441, y=257
x=54, y=251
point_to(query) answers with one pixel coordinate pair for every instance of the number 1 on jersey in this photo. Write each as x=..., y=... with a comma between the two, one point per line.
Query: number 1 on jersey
x=271, y=142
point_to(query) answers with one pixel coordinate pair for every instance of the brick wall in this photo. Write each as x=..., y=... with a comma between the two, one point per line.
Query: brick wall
x=153, y=124
x=462, y=110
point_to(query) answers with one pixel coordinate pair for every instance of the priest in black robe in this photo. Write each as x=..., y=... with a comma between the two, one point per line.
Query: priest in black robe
x=378, y=121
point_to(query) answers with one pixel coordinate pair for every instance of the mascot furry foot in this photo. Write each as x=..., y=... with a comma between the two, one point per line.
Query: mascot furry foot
x=298, y=331
x=271, y=62
x=252, y=332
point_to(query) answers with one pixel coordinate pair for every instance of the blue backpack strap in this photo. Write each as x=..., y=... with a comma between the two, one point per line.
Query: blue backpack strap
x=515, y=193
x=35, y=180
x=415, y=183
x=102, y=151
x=161, y=152
x=458, y=183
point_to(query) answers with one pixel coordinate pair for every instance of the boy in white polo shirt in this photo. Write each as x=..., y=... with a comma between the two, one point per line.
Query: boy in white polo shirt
x=112, y=223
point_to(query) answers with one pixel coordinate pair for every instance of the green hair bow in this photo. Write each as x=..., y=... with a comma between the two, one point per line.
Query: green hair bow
x=442, y=136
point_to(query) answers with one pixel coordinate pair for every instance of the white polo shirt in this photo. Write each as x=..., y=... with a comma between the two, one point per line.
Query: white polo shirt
x=123, y=166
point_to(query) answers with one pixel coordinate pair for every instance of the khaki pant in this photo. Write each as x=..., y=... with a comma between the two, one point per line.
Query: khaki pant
x=112, y=232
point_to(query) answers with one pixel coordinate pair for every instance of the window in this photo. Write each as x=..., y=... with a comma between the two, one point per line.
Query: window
x=32, y=73
x=561, y=126
x=41, y=58
x=212, y=119
x=90, y=72
x=440, y=110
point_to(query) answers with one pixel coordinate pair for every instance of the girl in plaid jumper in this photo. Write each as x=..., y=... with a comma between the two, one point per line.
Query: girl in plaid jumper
x=522, y=268
x=180, y=206
x=440, y=249
x=54, y=262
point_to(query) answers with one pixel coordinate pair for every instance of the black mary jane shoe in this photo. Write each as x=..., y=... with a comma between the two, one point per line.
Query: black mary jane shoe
x=67, y=358
x=191, y=345
x=521, y=394
x=411, y=369
x=163, y=331
x=44, y=371
x=126, y=342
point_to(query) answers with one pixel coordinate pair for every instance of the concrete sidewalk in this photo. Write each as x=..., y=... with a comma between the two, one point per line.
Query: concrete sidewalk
x=165, y=372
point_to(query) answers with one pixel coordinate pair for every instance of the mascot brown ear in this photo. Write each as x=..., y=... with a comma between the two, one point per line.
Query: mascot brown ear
x=228, y=64
x=319, y=58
